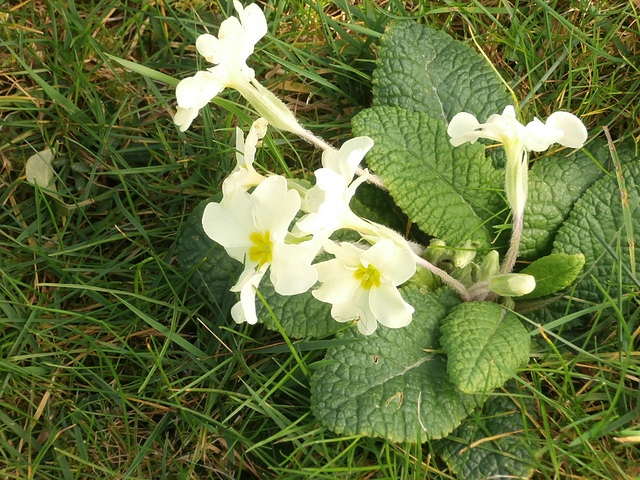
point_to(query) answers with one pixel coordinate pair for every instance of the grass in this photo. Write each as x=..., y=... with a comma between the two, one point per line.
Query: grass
x=112, y=365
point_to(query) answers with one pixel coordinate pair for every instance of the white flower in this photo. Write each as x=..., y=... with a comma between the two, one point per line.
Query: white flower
x=229, y=52
x=193, y=93
x=236, y=40
x=561, y=127
x=517, y=139
x=346, y=161
x=244, y=175
x=328, y=201
x=252, y=229
x=362, y=284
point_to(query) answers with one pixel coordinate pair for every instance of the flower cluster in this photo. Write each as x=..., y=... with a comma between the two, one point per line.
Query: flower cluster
x=254, y=221
x=253, y=225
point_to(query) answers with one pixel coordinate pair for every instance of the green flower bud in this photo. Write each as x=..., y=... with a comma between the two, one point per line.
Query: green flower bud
x=512, y=284
x=437, y=251
x=489, y=267
x=465, y=256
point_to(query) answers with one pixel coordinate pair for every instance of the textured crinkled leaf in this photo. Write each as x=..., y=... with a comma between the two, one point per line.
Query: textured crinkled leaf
x=484, y=344
x=423, y=69
x=472, y=454
x=376, y=205
x=596, y=229
x=301, y=316
x=450, y=193
x=555, y=183
x=553, y=273
x=391, y=384
x=205, y=262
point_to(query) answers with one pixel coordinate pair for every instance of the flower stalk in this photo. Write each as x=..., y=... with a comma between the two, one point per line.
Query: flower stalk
x=518, y=140
x=445, y=277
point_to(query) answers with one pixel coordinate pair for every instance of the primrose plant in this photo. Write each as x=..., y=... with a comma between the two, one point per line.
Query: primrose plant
x=454, y=296
x=361, y=280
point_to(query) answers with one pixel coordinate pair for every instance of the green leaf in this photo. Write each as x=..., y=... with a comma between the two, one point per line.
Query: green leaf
x=553, y=273
x=145, y=71
x=450, y=193
x=392, y=384
x=595, y=228
x=484, y=344
x=423, y=69
x=301, y=316
x=555, y=183
x=496, y=442
x=206, y=263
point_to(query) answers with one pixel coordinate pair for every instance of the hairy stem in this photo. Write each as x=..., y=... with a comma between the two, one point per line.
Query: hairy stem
x=317, y=141
x=372, y=179
x=445, y=277
x=512, y=253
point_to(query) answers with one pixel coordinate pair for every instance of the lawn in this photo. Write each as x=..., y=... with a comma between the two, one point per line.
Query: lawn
x=117, y=362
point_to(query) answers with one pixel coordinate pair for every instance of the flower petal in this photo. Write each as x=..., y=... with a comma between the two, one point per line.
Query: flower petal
x=574, y=131
x=346, y=160
x=509, y=112
x=257, y=131
x=244, y=176
x=330, y=181
x=356, y=308
x=396, y=264
x=197, y=91
x=389, y=307
x=346, y=253
x=253, y=21
x=245, y=309
x=274, y=206
x=210, y=48
x=291, y=269
x=232, y=34
x=242, y=179
x=338, y=282
x=463, y=128
x=538, y=137
x=184, y=117
x=229, y=222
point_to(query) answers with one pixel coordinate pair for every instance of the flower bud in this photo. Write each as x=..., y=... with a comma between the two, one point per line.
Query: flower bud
x=437, y=251
x=464, y=257
x=489, y=267
x=512, y=284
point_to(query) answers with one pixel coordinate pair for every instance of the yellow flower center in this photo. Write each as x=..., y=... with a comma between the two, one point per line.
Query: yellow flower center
x=368, y=276
x=262, y=250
